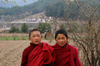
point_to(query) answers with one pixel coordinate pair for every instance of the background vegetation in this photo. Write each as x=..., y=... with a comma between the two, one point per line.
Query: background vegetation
x=24, y=29
x=55, y=8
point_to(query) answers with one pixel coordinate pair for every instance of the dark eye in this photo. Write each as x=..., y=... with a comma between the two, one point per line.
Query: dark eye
x=33, y=36
x=63, y=38
x=38, y=35
x=58, y=38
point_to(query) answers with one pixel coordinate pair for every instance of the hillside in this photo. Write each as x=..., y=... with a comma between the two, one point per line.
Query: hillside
x=12, y=3
x=52, y=8
x=17, y=12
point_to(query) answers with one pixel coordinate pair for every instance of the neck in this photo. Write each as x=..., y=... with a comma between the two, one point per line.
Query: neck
x=63, y=46
x=35, y=44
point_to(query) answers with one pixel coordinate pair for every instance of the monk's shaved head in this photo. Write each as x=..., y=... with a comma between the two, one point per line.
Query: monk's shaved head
x=61, y=31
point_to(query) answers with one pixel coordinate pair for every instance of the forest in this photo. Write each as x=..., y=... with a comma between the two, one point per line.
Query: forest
x=55, y=8
x=22, y=12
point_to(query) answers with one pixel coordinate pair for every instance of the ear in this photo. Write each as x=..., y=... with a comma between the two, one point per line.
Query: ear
x=41, y=36
x=29, y=38
x=55, y=39
x=67, y=38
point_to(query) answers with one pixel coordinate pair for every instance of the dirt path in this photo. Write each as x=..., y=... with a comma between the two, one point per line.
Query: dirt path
x=11, y=51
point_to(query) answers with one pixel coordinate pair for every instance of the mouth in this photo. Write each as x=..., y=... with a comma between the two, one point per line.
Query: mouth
x=61, y=43
x=36, y=41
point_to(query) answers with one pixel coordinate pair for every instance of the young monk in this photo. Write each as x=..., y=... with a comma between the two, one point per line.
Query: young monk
x=66, y=55
x=38, y=53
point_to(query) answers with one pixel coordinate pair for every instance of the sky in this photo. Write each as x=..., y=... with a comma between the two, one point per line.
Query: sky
x=11, y=3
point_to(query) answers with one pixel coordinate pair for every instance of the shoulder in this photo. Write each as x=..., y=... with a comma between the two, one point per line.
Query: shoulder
x=74, y=49
x=25, y=51
x=48, y=46
x=53, y=46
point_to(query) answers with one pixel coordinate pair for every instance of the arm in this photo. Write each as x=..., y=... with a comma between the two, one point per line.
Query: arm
x=24, y=59
x=77, y=61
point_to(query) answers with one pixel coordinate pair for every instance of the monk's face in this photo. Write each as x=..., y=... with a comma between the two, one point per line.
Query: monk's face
x=61, y=40
x=35, y=37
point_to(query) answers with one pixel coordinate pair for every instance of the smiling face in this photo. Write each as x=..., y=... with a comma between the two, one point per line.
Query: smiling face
x=61, y=40
x=35, y=37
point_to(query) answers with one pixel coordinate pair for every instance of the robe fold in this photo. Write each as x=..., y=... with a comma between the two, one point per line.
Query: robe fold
x=41, y=55
x=66, y=56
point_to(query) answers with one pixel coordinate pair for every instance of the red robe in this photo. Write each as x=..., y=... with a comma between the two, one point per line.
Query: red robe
x=66, y=56
x=41, y=55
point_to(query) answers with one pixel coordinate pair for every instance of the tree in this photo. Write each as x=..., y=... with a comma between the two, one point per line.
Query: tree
x=18, y=30
x=56, y=9
x=89, y=40
x=60, y=9
x=43, y=27
x=62, y=26
x=86, y=16
x=14, y=30
x=24, y=28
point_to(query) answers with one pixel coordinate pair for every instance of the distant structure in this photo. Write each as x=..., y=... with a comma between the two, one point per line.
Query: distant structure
x=8, y=25
x=48, y=35
x=30, y=25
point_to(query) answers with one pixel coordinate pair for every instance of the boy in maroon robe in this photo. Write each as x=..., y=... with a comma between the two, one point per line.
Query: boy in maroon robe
x=38, y=53
x=66, y=55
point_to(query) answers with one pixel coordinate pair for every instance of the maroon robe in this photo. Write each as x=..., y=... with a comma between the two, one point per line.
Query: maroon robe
x=38, y=55
x=66, y=56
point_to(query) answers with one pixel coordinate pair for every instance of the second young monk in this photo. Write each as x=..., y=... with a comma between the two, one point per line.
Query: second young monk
x=66, y=55
x=38, y=53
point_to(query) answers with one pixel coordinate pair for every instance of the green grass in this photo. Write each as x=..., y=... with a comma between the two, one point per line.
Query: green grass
x=19, y=38
x=14, y=38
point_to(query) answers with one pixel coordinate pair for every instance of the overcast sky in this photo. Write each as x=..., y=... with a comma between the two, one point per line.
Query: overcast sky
x=18, y=2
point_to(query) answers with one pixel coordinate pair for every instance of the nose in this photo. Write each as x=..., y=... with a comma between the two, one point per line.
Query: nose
x=61, y=40
x=36, y=37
